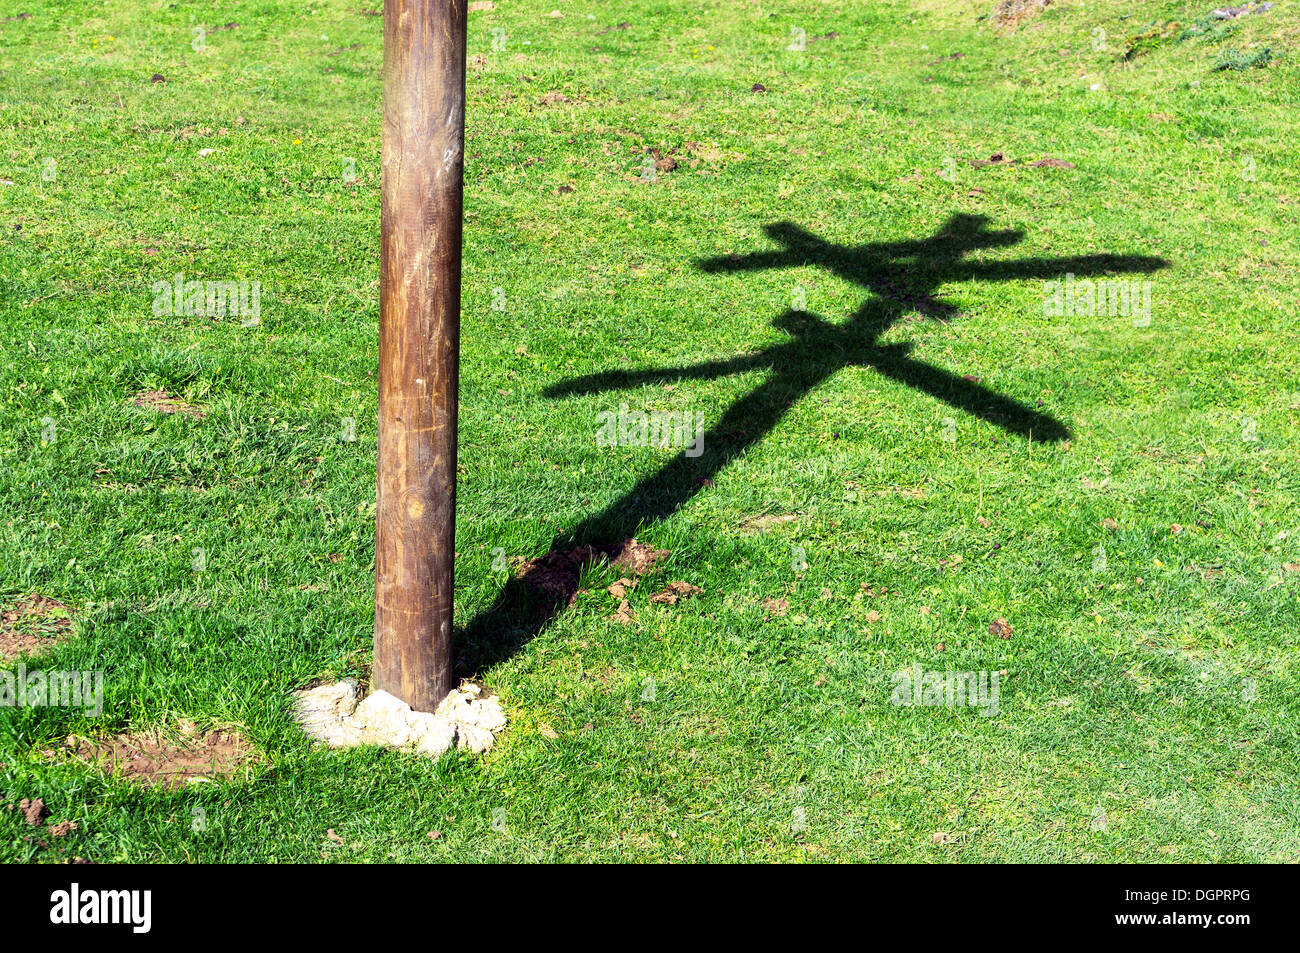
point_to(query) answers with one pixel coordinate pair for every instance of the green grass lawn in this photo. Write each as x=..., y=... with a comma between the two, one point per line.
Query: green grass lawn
x=901, y=444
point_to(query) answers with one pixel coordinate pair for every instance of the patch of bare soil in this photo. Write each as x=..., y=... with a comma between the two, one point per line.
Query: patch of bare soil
x=636, y=557
x=1001, y=159
x=775, y=607
x=169, y=759
x=663, y=163
x=1011, y=13
x=163, y=403
x=32, y=624
x=555, y=575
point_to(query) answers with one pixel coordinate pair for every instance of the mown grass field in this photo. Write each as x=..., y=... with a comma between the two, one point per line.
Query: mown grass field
x=888, y=406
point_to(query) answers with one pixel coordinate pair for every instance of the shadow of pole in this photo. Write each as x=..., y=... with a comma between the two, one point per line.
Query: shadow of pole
x=902, y=277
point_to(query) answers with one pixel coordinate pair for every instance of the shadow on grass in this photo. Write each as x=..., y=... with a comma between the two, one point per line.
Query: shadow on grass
x=902, y=278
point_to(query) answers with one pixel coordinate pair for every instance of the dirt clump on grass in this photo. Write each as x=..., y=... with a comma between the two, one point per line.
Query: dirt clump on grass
x=163, y=403
x=32, y=624
x=623, y=615
x=167, y=758
x=33, y=810
x=678, y=589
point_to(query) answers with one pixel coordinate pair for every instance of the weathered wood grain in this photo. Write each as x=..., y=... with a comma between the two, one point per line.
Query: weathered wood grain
x=419, y=331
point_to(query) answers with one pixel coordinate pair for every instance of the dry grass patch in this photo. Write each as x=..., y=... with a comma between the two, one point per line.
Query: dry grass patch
x=161, y=402
x=167, y=757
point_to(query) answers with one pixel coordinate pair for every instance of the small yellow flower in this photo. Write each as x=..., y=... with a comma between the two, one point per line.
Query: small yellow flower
x=297, y=142
x=1157, y=563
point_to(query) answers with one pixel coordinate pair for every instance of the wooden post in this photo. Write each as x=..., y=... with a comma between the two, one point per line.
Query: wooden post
x=419, y=337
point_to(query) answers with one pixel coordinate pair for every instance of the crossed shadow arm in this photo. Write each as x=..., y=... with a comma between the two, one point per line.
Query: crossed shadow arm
x=969, y=396
x=959, y=234
x=800, y=247
x=955, y=269
x=626, y=380
x=1051, y=269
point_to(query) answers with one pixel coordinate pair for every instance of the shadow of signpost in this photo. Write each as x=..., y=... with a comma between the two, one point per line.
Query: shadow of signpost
x=902, y=278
